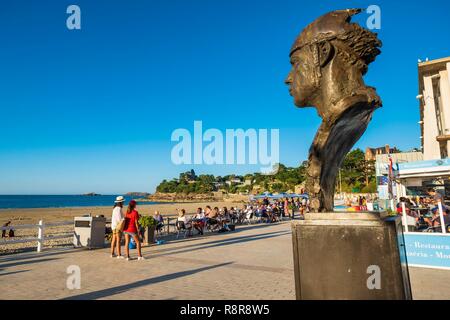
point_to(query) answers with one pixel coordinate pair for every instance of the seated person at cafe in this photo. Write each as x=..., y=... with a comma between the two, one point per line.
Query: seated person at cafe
x=269, y=212
x=207, y=211
x=422, y=203
x=160, y=221
x=247, y=213
x=198, y=222
x=224, y=216
x=212, y=217
x=408, y=207
x=234, y=215
x=436, y=219
x=182, y=223
x=262, y=212
x=275, y=212
x=436, y=197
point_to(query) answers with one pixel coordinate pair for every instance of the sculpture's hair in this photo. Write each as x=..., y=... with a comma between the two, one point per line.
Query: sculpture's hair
x=357, y=46
x=362, y=47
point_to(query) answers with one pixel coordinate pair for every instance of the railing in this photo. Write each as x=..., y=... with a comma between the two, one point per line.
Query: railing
x=41, y=237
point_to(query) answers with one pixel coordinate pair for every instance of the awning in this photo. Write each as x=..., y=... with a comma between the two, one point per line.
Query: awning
x=279, y=196
x=422, y=169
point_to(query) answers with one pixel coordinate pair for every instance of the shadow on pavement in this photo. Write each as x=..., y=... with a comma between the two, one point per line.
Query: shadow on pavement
x=218, y=243
x=14, y=264
x=123, y=288
x=36, y=255
x=239, y=228
x=214, y=235
x=13, y=272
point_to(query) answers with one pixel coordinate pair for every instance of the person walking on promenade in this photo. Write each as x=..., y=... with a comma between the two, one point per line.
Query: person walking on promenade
x=286, y=207
x=117, y=224
x=131, y=229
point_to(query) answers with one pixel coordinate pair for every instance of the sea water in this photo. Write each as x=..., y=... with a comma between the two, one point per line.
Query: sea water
x=59, y=201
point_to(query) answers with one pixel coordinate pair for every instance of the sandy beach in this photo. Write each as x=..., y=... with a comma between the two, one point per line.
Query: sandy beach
x=53, y=215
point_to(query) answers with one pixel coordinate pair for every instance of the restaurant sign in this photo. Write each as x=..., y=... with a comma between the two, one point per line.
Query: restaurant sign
x=429, y=250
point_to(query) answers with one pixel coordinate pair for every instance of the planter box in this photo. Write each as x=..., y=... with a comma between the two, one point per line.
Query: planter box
x=149, y=235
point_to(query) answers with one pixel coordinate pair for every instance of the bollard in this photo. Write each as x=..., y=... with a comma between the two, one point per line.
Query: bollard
x=441, y=214
x=405, y=221
x=40, y=236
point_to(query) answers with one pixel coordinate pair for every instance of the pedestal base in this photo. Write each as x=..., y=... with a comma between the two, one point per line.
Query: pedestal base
x=359, y=256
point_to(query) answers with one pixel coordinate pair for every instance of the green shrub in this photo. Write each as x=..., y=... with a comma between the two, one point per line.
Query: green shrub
x=147, y=221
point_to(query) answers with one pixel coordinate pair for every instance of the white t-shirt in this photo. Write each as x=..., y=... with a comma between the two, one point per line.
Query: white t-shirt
x=117, y=216
x=200, y=215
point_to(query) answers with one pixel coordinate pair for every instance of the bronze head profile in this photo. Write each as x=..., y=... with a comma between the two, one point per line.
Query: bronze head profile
x=329, y=60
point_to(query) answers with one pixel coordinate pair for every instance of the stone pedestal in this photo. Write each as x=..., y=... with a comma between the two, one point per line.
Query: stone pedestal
x=340, y=256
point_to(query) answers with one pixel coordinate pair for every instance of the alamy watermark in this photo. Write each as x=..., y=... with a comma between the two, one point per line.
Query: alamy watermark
x=374, y=280
x=374, y=20
x=73, y=22
x=73, y=281
x=233, y=147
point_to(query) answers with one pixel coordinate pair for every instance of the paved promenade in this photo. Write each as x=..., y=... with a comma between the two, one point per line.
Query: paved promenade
x=254, y=262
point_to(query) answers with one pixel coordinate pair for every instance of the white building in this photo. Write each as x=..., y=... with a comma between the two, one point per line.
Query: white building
x=416, y=173
x=434, y=97
x=382, y=161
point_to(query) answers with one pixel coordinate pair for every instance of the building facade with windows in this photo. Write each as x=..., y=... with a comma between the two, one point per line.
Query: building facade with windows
x=372, y=153
x=415, y=172
x=434, y=97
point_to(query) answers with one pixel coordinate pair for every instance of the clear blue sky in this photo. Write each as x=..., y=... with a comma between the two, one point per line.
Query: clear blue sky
x=94, y=109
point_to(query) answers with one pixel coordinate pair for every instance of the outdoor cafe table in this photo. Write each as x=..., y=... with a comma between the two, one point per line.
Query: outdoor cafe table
x=168, y=223
x=419, y=209
x=422, y=211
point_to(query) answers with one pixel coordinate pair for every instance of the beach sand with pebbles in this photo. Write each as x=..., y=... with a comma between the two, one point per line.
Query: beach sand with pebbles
x=55, y=215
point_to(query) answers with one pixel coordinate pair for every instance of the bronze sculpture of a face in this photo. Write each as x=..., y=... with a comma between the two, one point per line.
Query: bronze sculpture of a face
x=329, y=60
x=302, y=85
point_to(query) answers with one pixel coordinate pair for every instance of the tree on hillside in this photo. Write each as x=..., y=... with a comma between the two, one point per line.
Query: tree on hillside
x=356, y=172
x=206, y=178
x=188, y=176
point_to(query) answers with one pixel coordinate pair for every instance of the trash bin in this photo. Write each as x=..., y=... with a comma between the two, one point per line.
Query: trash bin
x=89, y=232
